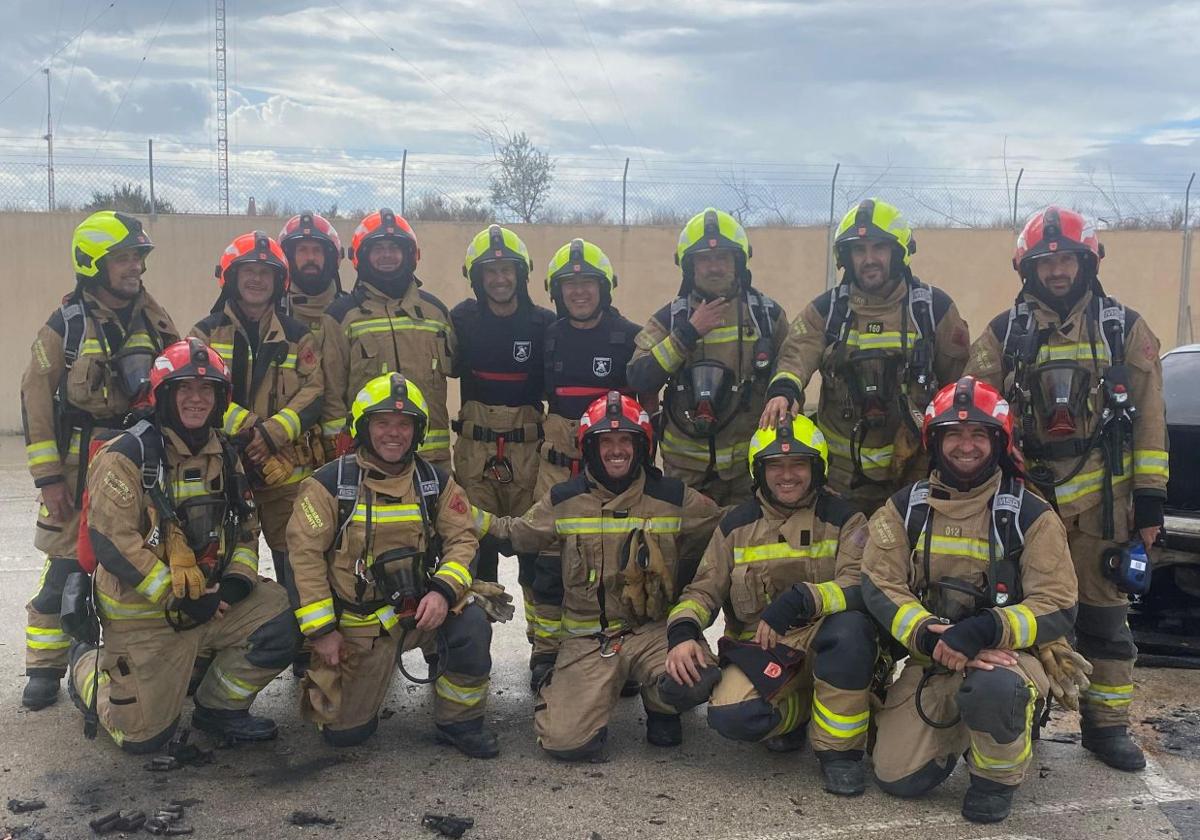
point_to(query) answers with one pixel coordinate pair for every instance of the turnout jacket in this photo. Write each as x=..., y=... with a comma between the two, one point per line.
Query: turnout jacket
x=133, y=580
x=310, y=309
x=367, y=334
x=331, y=559
x=668, y=345
x=896, y=589
x=760, y=550
x=91, y=389
x=1078, y=338
x=591, y=525
x=277, y=377
x=874, y=322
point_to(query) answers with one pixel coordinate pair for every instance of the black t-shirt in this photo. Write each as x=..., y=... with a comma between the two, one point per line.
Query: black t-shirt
x=582, y=365
x=500, y=359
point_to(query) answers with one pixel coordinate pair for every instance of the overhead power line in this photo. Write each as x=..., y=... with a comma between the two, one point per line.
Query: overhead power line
x=51, y=57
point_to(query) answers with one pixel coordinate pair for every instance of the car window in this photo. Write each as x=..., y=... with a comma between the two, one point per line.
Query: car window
x=1181, y=388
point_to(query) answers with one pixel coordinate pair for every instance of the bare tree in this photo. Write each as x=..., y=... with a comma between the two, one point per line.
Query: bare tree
x=521, y=173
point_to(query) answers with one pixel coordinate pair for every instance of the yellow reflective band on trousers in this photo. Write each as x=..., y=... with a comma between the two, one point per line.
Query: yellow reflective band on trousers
x=290, y=421
x=588, y=627
x=674, y=443
x=235, y=689
x=111, y=608
x=608, y=525
x=700, y=611
x=1113, y=696
x=235, y=416
x=906, y=620
x=1087, y=483
x=1022, y=623
x=540, y=625
x=314, y=616
x=783, y=551
x=872, y=457
x=454, y=571
x=668, y=356
x=1151, y=462
x=464, y=695
x=87, y=685
x=41, y=452
x=387, y=513
x=790, y=710
x=46, y=638
x=155, y=583
x=985, y=762
x=386, y=325
x=832, y=597
x=435, y=439
x=839, y=726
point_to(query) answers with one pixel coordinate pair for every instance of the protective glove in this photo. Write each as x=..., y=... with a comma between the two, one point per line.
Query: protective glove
x=791, y=608
x=201, y=609
x=971, y=635
x=276, y=469
x=633, y=564
x=658, y=580
x=1067, y=671
x=493, y=600
x=187, y=578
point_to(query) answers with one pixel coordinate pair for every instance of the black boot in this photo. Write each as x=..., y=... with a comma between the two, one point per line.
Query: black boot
x=1113, y=746
x=234, y=724
x=663, y=730
x=540, y=666
x=41, y=691
x=842, y=772
x=987, y=801
x=787, y=742
x=470, y=738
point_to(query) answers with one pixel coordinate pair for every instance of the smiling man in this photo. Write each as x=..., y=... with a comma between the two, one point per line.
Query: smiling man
x=882, y=341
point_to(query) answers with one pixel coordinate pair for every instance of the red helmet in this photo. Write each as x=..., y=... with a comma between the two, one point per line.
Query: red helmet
x=310, y=225
x=1055, y=230
x=616, y=413
x=385, y=224
x=191, y=358
x=969, y=401
x=254, y=247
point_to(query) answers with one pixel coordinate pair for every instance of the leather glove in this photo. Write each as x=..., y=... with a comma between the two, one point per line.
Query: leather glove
x=187, y=578
x=493, y=600
x=791, y=608
x=276, y=469
x=971, y=635
x=201, y=609
x=633, y=594
x=1067, y=671
x=658, y=582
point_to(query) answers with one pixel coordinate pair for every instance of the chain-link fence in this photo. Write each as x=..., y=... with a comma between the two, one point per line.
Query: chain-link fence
x=278, y=180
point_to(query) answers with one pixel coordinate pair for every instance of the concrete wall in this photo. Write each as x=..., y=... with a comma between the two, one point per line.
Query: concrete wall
x=973, y=266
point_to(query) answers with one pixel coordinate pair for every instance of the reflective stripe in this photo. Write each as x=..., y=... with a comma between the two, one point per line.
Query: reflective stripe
x=387, y=513
x=154, y=584
x=1113, y=696
x=1076, y=352
x=435, y=439
x=1151, y=462
x=988, y=763
x=46, y=638
x=76, y=442
x=790, y=377
x=832, y=597
x=789, y=711
x=42, y=452
x=744, y=636
x=181, y=490
x=959, y=546
x=839, y=726
x=481, y=519
x=872, y=457
x=316, y=615
x=384, y=325
x=674, y=443
x=586, y=627
x=111, y=608
x=906, y=620
x=1022, y=624
x=235, y=416
x=721, y=335
x=288, y=363
x=85, y=685
x=668, y=356
x=541, y=626
x=290, y=421
x=134, y=341
x=454, y=571
x=890, y=340
x=385, y=617
x=224, y=349
x=235, y=689
x=608, y=525
x=1087, y=483
x=247, y=557
x=464, y=695
x=783, y=551
x=696, y=607
x=330, y=428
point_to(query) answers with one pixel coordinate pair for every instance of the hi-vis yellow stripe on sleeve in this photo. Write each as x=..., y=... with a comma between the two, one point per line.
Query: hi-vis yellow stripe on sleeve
x=696, y=607
x=42, y=452
x=1151, y=462
x=668, y=356
x=906, y=620
x=314, y=616
x=1022, y=624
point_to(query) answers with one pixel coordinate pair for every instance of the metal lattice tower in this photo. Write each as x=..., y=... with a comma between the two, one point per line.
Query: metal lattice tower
x=222, y=113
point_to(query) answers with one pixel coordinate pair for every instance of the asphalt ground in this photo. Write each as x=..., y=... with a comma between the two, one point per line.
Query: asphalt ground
x=708, y=788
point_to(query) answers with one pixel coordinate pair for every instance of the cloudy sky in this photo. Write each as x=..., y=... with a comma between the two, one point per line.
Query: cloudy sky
x=1100, y=87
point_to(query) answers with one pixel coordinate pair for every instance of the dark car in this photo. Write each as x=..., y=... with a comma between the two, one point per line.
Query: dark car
x=1166, y=622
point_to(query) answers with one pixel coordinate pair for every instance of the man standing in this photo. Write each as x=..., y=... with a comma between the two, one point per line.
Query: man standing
x=89, y=366
x=713, y=348
x=314, y=252
x=1082, y=373
x=882, y=341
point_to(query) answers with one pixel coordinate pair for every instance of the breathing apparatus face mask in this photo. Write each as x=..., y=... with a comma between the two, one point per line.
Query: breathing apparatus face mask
x=872, y=377
x=1060, y=397
x=956, y=599
x=131, y=367
x=400, y=576
x=701, y=397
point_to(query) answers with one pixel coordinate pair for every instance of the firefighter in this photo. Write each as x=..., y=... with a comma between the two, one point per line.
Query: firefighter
x=713, y=348
x=387, y=323
x=500, y=367
x=314, y=252
x=622, y=527
x=882, y=341
x=1082, y=372
x=784, y=566
x=586, y=353
x=277, y=383
x=90, y=363
x=964, y=570
x=382, y=547
x=171, y=523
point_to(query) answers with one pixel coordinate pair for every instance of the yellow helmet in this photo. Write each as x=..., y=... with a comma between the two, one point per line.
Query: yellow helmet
x=387, y=393
x=712, y=230
x=102, y=233
x=579, y=258
x=494, y=244
x=873, y=219
x=800, y=436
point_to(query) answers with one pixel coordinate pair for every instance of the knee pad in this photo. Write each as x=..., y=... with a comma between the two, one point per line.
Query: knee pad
x=469, y=642
x=846, y=649
x=592, y=748
x=920, y=782
x=525, y=569
x=351, y=737
x=153, y=744
x=750, y=720
x=995, y=702
x=547, y=583
x=275, y=643
x=48, y=600
x=683, y=697
x=1102, y=633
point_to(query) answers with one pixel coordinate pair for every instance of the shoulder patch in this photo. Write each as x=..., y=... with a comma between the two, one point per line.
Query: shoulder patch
x=39, y=353
x=744, y=514
x=116, y=489
x=457, y=503
x=882, y=532
x=311, y=517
